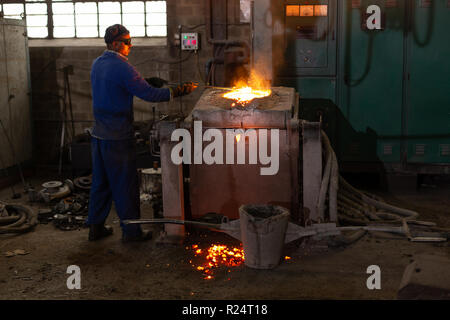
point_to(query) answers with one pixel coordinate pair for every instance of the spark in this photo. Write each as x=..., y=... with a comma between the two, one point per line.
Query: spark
x=215, y=256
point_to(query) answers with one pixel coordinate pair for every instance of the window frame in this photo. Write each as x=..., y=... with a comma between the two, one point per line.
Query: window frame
x=50, y=27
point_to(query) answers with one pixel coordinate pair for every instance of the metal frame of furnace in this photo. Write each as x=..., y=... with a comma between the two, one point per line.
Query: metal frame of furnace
x=183, y=197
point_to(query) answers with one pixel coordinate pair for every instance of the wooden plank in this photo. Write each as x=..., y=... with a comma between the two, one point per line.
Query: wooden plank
x=17, y=117
x=5, y=153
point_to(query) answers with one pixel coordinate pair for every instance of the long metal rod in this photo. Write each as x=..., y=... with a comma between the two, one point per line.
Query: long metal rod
x=67, y=84
x=213, y=87
x=306, y=232
x=205, y=86
x=173, y=221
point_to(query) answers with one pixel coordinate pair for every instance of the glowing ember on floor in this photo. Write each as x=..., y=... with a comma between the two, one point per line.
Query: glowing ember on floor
x=216, y=256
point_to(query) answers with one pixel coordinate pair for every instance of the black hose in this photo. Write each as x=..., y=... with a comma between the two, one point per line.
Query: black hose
x=348, y=58
x=26, y=222
x=430, y=24
x=355, y=207
x=345, y=240
x=8, y=219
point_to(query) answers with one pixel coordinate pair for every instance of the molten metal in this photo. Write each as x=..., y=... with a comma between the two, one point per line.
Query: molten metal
x=246, y=94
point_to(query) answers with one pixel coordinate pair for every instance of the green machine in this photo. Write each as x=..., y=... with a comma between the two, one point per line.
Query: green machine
x=375, y=72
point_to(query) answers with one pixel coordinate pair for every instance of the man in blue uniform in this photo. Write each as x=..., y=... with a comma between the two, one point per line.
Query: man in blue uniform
x=114, y=84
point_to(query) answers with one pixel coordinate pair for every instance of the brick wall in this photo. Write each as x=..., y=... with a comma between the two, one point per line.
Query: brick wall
x=46, y=64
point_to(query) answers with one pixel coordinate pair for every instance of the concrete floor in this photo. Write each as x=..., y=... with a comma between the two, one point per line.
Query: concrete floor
x=113, y=270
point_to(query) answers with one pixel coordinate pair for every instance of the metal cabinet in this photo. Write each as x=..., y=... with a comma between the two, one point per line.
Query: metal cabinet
x=310, y=38
x=427, y=120
x=382, y=93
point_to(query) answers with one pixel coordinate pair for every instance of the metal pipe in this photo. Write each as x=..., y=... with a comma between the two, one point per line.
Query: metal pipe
x=209, y=8
x=214, y=87
x=205, y=86
x=173, y=221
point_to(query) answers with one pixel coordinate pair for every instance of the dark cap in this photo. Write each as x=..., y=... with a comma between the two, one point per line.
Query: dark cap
x=114, y=32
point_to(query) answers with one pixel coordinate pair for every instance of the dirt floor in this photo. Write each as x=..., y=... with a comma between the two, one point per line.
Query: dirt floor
x=111, y=269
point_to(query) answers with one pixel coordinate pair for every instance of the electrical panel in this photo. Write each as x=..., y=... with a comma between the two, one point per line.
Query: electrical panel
x=189, y=41
x=310, y=38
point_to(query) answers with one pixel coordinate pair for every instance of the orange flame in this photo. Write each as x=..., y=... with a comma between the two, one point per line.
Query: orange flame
x=245, y=91
x=246, y=94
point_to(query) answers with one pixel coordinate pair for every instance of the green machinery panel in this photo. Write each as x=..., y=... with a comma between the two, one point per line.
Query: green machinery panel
x=384, y=93
x=371, y=90
x=310, y=38
x=428, y=114
x=309, y=47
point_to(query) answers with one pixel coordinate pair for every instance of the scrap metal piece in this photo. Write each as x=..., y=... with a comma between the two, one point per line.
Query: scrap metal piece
x=427, y=278
x=52, y=190
x=428, y=237
x=67, y=222
x=83, y=183
x=62, y=192
x=70, y=184
x=52, y=186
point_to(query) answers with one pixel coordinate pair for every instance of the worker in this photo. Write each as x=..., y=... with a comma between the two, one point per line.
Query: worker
x=114, y=82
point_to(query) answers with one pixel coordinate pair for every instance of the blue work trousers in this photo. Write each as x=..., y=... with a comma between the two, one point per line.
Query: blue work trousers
x=114, y=177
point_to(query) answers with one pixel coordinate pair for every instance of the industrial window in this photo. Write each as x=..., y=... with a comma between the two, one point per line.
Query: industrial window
x=321, y=10
x=88, y=19
x=292, y=11
x=306, y=10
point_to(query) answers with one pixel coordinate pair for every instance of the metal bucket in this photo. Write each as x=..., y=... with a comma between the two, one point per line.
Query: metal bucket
x=150, y=180
x=263, y=229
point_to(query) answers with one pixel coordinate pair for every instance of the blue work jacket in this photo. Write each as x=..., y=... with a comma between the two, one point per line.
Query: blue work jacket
x=114, y=82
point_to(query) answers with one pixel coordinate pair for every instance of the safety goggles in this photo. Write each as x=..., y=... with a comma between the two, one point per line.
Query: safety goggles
x=125, y=41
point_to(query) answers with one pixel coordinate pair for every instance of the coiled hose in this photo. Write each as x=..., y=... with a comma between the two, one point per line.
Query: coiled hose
x=350, y=206
x=23, y=220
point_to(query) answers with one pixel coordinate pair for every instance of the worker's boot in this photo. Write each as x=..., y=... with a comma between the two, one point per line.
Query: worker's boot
x=99, y=231
x=143, y=236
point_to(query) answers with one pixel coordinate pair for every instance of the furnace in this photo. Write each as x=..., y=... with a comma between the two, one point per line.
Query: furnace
x=190, y=191
x=273, y=111
x=223, y=188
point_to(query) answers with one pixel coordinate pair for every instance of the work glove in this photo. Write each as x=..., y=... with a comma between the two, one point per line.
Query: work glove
x=183, y=89
x=156, y=82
